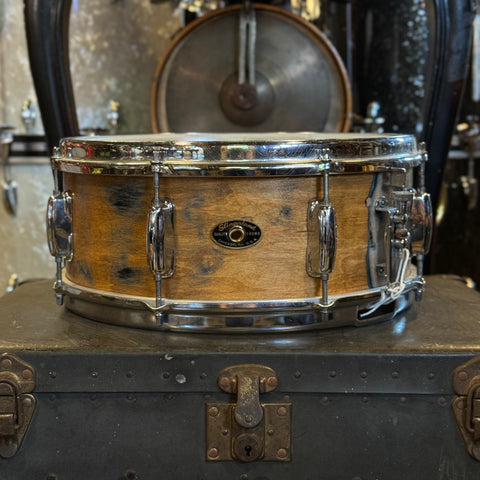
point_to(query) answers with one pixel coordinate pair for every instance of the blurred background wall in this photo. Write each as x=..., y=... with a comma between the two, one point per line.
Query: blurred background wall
x=114, y=49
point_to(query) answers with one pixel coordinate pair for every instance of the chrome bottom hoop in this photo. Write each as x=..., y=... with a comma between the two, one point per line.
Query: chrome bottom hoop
x=235, y=317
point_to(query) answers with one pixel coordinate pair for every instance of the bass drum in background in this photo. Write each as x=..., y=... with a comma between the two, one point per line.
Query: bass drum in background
x=300, y=79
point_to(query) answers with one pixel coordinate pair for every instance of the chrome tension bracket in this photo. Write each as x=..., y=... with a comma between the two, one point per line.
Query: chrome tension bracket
x=160, y=247
x=322, y=233
x=60, y=235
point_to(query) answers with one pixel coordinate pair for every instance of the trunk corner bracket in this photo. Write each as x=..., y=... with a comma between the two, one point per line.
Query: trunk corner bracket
x=17, y=405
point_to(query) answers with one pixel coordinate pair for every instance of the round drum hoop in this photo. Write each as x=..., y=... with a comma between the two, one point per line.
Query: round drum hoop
x=290, y=154
x=236, y=317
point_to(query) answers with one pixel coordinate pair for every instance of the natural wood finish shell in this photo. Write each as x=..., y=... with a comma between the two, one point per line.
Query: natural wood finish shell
x=110, y=216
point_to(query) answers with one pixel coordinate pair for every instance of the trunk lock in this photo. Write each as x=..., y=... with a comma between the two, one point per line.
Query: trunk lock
x=248, y=430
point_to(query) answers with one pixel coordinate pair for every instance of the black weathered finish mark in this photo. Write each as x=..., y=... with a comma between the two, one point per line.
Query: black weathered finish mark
x=125, y=198
x=128, y=275
x=211, y=263
x=286, y=211
x=84, y=271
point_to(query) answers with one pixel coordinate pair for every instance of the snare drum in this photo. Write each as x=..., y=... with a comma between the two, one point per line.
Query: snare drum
x=238, y=232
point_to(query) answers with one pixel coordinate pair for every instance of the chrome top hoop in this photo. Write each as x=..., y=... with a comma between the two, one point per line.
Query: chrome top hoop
x=287, y=154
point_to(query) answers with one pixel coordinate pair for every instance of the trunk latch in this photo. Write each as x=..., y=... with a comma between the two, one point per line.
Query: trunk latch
x=248, y=430
x=17, y=380
x=466, y=407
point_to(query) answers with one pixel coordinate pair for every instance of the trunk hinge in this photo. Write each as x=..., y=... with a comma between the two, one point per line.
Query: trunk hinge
x=248, y=430
x=17, y=380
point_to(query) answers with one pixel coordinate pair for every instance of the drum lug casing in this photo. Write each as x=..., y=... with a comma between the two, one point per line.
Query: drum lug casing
x=322, y=234
x=248, y=430
x=322, y=238
x=60, y=234
x=160, y=249
x=17, y=405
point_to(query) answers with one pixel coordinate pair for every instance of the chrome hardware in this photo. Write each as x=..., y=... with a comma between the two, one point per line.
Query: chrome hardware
x=422, y=150
x=113, y=116
x=10, y=187
x=248, y=430
x=161, y=254
x=232, y=316
x=160, y=229
x=422, y=216
x=372, y=122
x=12, y=283
x=247, y=36
x=422, y=219
x=10, y=196
x=57, y=173
x=397, y=227
x=60, y=235
x=236, y=154
x=239, y=93
x=405, y=230
x=28, y=115
x=398, y=243
x=322, y=235
x=469, y=133
x=407, y=225
x=17, y=380
x=400, y=217
x=59, y=225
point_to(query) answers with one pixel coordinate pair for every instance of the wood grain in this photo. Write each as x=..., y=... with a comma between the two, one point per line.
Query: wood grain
x=110, y=216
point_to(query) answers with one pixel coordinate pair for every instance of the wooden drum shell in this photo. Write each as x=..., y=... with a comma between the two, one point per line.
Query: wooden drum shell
x=109, y=235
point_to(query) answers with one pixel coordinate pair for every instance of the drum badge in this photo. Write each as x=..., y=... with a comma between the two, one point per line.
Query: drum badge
x=236, y=234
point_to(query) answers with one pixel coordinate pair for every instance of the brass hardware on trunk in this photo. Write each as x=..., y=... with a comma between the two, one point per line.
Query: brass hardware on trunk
x=466, y=407
x=17, y=380
x=248, y=430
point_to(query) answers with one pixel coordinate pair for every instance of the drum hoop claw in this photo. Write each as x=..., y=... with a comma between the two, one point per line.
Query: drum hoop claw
x=157, y=309
x=324, y=306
